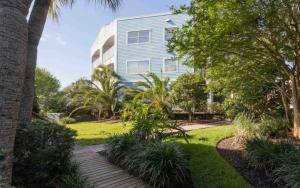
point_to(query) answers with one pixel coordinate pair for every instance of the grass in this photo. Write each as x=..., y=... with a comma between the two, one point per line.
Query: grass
x=90, y=133
x=208, y=168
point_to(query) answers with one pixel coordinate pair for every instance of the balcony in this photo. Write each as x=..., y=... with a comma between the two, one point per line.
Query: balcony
x=108, y=56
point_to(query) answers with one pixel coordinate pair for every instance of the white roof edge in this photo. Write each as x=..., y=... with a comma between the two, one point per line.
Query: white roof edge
x=144, y=16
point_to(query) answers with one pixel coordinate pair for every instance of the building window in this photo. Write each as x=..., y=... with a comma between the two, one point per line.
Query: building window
x=138, y=37
x=169, y=32
x=170, y=65
x=138, y=67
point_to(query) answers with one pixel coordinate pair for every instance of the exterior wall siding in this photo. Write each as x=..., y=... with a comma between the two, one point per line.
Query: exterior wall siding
x=155, y=50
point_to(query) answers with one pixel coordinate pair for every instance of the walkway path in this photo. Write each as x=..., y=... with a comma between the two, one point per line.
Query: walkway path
x=100, y=173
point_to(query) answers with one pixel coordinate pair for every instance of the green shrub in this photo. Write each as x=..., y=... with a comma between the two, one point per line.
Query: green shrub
x=42, y=154
x=67, y=120
x=272, y=127
x=158, y=163
x=282, y=160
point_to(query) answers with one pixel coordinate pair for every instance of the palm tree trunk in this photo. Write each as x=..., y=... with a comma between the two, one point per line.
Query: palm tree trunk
x=36, y=25
x=13, y=39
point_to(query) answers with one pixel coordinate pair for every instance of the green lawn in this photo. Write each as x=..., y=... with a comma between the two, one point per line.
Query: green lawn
x=90, y=133
x=208, y=168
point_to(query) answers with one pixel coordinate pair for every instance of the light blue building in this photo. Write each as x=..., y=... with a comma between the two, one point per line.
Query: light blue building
x=137, y=45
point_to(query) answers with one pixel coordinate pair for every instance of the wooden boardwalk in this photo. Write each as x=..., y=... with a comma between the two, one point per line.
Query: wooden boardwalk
x=102, y=174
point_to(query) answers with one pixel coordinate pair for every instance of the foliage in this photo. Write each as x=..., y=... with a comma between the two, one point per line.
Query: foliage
x=188, y=92
x=245, y=126
x=216, y=107
x=91, y=133
x=160, y=164
x=72, y=178
x=101, y=94
x=248, y=127
x=282, y=159
x=245, y=49
x=67, y=120
x=42, y=153
x=46, y=87
x=150, y=123
x=273, y=127
x=153, y=91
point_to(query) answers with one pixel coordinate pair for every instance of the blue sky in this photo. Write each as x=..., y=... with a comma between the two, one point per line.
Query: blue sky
x=65, y=46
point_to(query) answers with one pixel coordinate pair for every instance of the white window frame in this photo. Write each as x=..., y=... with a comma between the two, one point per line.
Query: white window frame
x=150, y=34
x=164, y=66
x=164, y=36
x=149, y=67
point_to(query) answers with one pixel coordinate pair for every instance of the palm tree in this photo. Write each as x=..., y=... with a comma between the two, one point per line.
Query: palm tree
x=13, y=39
x=102, y=93
x=36, y=23
x=154, y=90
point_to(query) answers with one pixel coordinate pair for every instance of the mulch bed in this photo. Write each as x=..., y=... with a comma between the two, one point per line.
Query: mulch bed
x=234, y=153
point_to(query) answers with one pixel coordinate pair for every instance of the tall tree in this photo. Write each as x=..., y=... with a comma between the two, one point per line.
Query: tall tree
x=37, y=20
x=46, y=88
x=263, y=31
x=13, y=39
x=188, y=92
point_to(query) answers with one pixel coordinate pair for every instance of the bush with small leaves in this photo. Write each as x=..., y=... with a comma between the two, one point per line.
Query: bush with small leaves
x=42, y=153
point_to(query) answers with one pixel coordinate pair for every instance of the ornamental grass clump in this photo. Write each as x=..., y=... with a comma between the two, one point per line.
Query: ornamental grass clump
x=280, y=160
x=158, y=163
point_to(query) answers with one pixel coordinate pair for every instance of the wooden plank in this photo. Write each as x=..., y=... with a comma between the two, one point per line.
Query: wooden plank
x=100, y=173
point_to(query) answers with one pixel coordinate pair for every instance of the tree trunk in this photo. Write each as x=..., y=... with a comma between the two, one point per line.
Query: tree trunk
x=13, y=40
x=285, y=103
x=190, y=116
x=36, y=25
x=296, y=110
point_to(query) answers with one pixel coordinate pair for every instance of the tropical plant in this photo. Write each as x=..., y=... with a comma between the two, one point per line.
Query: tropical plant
x=188, y=92
x=250, y=44
x=150, y=123
x=153, y=91
x=102, y=93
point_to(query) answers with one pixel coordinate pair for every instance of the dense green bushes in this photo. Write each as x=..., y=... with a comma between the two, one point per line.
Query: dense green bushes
x=282, y=160
x=42, y=154
x=160, y=164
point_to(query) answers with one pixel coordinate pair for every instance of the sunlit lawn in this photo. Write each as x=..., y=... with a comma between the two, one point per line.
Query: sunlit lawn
x=90, y=133
x=208, y=168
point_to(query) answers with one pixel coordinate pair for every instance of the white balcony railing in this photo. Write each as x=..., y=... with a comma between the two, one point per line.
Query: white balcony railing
x=108, y=54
